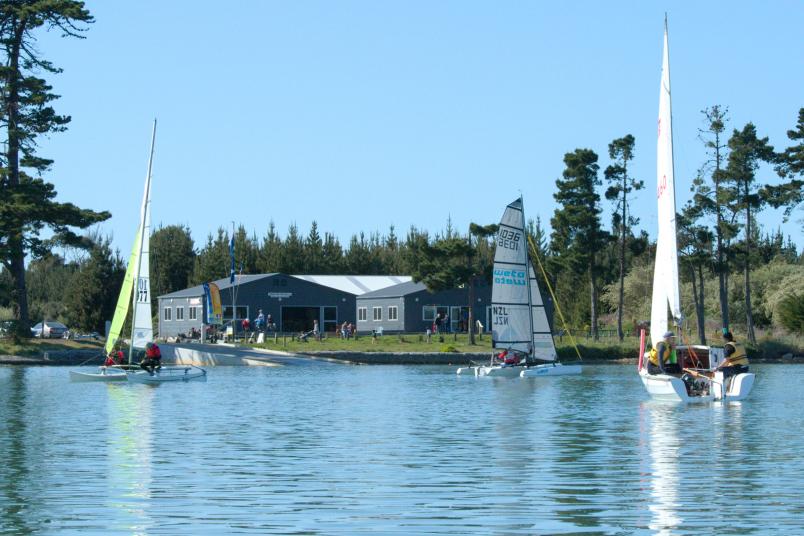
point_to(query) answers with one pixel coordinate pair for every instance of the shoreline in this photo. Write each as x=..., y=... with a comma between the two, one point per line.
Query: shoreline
x=94, y=358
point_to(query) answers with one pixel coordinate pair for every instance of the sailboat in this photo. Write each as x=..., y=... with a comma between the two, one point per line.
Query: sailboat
x=702, y=382
x=137, y=279
x=520, y=328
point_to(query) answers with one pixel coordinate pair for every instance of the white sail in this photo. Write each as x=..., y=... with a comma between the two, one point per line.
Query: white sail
x=142, y=331
x=511, y=324
x=665, y=275
x=143, y=326
x=544, y=348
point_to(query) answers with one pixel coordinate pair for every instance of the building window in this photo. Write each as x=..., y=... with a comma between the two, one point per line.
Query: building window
x=362, y=314
x=179, y=313
x=377, y=312
x=193, y=312
x=429, y=312
x=393, y=312
x=242, y=312
x=168, y=314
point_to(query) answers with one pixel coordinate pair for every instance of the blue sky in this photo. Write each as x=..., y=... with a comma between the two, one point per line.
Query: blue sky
x=360, y=115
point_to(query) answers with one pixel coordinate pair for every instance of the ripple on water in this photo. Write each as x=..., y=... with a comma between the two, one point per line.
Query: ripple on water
x=325, y=449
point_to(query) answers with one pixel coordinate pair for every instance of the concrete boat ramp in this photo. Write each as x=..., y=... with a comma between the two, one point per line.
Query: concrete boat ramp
x=230, y=355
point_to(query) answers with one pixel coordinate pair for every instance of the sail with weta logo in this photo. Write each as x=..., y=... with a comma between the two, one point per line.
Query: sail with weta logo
x=511, y=324
x=665, y=275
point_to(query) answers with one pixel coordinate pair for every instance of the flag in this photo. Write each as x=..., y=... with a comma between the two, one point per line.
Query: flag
x=231, y=254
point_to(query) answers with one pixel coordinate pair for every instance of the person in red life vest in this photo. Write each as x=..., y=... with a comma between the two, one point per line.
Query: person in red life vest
x=115, y=357
x=508, y=358
x=153, y=358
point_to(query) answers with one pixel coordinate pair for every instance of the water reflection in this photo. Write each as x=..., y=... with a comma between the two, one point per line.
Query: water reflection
x=664, y=455
x=129, y=448
x=14, y=471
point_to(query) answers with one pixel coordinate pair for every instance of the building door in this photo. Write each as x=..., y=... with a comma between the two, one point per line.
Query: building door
x=299, y=319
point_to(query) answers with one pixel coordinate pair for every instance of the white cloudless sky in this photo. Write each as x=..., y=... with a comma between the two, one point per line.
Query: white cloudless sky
x=361, y=115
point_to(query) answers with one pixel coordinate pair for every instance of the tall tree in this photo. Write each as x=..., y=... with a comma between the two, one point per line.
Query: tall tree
x=695, y=247
x=213, y=261
x=91, y=296
x=790, y=165
x=172, y=258
x=712, y=197
x=577, y=235
x=747, y=151
x=332, y=254
x=269, y=258
x=620, y=185
x=314, y=251
x=27, y=204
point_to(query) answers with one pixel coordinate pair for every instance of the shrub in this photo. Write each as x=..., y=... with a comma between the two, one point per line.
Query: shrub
x=791, y=313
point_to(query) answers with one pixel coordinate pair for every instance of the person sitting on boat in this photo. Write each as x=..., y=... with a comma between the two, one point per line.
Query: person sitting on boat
x=736, y=358
x=115, y=357
x=153, y=358
x=509, y=359
x=660, y=355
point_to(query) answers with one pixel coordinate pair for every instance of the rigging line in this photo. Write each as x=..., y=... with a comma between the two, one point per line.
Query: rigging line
x=552, y=295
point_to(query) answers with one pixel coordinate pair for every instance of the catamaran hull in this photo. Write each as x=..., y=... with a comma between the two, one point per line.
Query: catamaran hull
x=556, y=369
x=498, y=371
x=666, y=387
x=105, y=375
x=168, y=374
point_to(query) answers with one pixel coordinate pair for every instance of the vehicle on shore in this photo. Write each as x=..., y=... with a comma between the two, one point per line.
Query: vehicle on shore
x=49, y=329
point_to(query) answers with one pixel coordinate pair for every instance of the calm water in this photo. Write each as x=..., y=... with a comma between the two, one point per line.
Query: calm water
x=333, y=449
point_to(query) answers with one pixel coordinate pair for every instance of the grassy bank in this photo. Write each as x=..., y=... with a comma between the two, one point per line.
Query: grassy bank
x=605, y=350
x=37, y=347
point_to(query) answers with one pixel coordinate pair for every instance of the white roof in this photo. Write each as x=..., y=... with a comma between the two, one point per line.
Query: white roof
x=356, y=284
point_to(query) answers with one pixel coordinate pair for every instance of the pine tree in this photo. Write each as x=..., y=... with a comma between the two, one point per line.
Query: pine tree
x=313, y=251
x=213, y=261
x=714, y=197
x=790, y=165
x=27, y=204
x=577, y=235
x=91, y=295
x=172, y=259
x=269, y=258
x=747, y=151
x=620, y=185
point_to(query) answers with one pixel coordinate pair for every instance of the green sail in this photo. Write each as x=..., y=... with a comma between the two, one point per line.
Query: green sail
x=124, y=299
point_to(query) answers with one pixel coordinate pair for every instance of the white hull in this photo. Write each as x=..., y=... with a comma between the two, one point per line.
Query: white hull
x=104, y=375
x=554, y=369
x=551, y=369
x=168, y=374
x=667, y=387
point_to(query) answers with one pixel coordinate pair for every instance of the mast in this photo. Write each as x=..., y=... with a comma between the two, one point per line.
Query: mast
x=146, y=200
x=528, y=270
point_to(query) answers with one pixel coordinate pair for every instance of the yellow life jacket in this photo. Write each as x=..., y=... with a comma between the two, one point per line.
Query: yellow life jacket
x=654, y=355
x=739, y=356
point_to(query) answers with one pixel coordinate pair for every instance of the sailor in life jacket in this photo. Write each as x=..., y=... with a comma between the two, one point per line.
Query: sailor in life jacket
x=153, y=358
x=508, y=359
x=736, y=358
x=662, y=355
x=115, y=357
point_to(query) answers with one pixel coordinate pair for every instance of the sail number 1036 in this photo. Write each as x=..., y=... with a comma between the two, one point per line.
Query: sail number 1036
x=509, y=239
